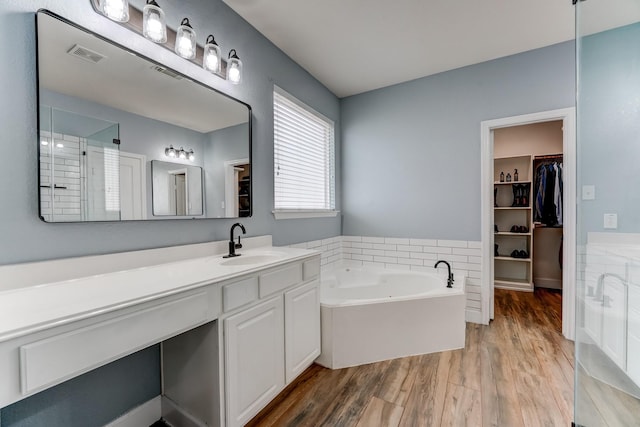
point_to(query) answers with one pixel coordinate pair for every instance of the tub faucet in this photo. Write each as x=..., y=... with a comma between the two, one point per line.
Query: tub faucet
x=233, y=245
x=450, y=276
x=599, y=294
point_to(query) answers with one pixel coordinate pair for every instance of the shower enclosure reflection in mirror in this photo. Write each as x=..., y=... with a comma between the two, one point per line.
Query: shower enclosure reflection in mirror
x=106, y=113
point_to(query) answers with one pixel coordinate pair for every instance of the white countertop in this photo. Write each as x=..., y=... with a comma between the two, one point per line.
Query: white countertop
x=29, y=309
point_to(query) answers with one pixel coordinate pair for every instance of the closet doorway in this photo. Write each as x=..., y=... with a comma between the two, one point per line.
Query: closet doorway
x=528, y=208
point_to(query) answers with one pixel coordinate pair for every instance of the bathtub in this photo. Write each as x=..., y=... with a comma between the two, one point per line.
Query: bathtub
x=370, y=314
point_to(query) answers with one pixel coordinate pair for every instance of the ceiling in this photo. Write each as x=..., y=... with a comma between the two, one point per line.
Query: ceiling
x=354, y=46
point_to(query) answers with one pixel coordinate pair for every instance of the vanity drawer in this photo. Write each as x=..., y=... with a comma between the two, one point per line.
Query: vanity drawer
x=278, y=280
x=58, y=358
x=239, y=293
x=311, y=268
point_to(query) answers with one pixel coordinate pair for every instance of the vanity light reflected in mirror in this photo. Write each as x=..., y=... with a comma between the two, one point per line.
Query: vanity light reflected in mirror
x=154, y=25
x=186, y=40
x=234, y=68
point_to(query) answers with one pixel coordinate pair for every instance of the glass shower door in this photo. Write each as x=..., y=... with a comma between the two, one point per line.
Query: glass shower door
x=607, y=387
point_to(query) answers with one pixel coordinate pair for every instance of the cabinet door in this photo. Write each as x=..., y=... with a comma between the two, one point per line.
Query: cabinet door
x=614, y=322
x=254, y=359
x=302, y=328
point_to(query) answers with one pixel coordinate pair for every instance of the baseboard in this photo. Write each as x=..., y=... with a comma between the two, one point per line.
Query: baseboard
x=473, y=316
x=174, y=415
x=140, y=416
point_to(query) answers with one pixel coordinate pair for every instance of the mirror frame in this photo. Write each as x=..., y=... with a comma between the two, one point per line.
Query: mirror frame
x=152, y=61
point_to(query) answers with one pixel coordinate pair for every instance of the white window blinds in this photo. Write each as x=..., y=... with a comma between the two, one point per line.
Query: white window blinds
x=304, y=166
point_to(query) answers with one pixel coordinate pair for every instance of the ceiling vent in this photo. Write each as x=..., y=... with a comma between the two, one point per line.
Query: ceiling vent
x=85, y=54
x=167, y=72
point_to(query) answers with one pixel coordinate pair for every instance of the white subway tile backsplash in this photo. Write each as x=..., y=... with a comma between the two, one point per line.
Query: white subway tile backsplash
x=423, y=242
x=436, y=250
x=410, y=248
x=385, y=259
x=362, y=257
x=362, y=245
x=421, y=255
x=398, y=254
x=373, y=252
x=474, y=245
x=453, y=243
x=475, y=259
x=463, y=251
x=410, y=261
x=394, y=241
x=351, y=239
x=384, y=246
x=366, y=239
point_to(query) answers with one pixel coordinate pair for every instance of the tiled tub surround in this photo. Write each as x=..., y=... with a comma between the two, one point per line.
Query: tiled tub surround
x=407, y=254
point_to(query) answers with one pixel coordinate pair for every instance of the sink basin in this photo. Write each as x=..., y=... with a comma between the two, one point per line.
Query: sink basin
x=250, y=259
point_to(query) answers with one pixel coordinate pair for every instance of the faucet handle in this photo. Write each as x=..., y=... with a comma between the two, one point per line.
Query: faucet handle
x=239, y=244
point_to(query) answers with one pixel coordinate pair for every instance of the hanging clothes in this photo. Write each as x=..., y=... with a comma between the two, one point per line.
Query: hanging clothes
x=548, y=194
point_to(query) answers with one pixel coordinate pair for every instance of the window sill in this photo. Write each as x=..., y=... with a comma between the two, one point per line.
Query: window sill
x=295, y=214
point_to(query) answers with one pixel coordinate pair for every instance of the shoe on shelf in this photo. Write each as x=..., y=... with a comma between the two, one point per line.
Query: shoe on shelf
x=514, y=229
x=495, y=228
x=515, y=254
x=523, y=254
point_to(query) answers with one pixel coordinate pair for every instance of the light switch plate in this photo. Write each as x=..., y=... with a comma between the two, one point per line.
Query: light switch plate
x=588, y=192
x=611, y=220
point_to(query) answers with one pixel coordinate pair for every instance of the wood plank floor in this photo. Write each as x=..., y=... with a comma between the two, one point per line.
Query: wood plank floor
x=518, y=371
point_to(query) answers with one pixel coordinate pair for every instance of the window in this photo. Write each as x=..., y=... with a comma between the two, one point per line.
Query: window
x=304, y=159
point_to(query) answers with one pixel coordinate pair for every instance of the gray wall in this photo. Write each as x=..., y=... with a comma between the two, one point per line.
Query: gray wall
x=26, y=238
x=411, y=152
x=264, y=65
x=609, y=129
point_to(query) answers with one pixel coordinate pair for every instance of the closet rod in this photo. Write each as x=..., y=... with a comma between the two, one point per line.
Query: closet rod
x=546, y=157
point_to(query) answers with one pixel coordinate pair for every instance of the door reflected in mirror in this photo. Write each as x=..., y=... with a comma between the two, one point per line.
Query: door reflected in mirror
x=106, y=119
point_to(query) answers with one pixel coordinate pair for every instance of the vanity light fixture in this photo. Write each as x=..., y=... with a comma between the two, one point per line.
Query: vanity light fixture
x=116, y=10
x=182, y=41
x=234, y=68
x=191, y=155
x=211, y=56
x=154, y=25
x=186, y=40
x=182, y=154
x=170, y=152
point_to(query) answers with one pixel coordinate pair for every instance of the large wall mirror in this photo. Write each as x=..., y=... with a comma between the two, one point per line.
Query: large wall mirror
x=124, y=138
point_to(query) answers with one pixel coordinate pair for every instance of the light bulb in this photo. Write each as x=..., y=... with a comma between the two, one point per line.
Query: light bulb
x=170, y=152
x=234, y=68
x=44, y=142
x=186, y=40
x=191, y=155
x=60, y=145
x=154, y=26
x=234, y=74
x=211, y=55
x=183, y=154
x=116, y=10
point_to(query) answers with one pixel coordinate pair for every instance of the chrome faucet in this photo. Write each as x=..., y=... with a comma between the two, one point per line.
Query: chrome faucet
x=450, y=276
x=232, y=244
x=599, y=294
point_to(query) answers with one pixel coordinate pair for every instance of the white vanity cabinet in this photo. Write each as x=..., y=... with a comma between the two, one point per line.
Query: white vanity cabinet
x=614, y=324
x=267, y=335
x=254, y=356
x=302, y=328
x=269, y=344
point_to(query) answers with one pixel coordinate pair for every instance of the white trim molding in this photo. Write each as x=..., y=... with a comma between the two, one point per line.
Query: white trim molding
x=568, y=117
x=143, y=415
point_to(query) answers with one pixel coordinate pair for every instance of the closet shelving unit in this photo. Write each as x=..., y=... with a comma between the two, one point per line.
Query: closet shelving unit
x=510, y=272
